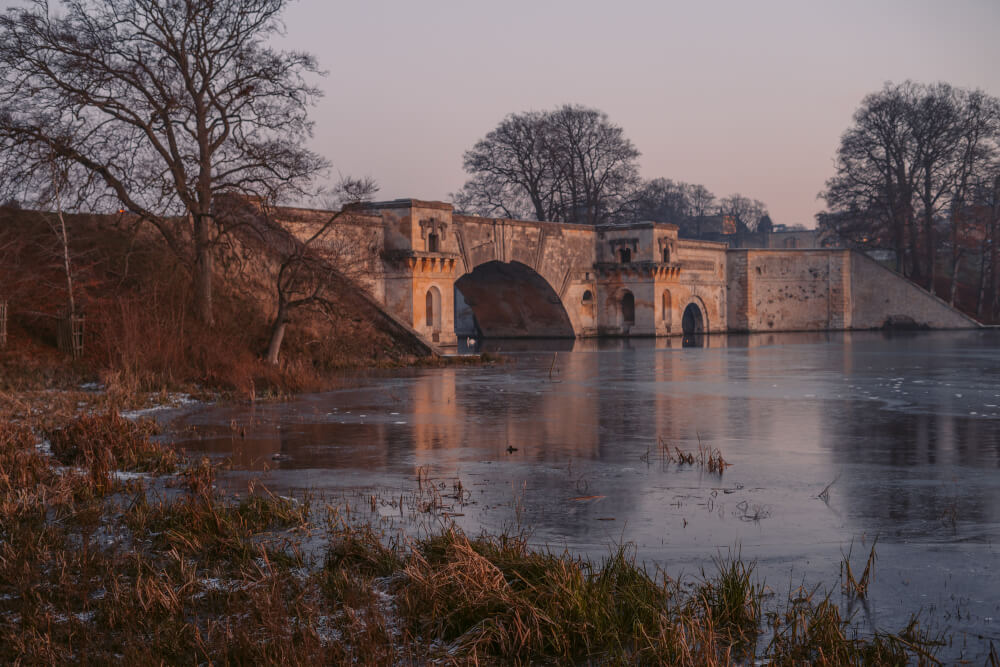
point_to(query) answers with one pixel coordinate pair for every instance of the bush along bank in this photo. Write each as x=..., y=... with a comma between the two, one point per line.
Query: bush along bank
x=114, y=549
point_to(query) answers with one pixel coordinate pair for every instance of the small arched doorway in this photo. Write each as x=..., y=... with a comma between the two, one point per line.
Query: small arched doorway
x=432, y=307
x=628, y=309
x=692, y=322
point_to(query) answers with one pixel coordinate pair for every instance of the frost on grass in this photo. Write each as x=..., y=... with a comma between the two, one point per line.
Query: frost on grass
x=118, y=567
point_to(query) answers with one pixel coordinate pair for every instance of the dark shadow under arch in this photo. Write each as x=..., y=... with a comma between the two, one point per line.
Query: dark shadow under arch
x=628, y=309
x=692, y=322
x=511, y=300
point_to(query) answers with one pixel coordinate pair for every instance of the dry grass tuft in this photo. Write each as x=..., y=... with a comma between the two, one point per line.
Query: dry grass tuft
x=101, y=444
x=153, y=573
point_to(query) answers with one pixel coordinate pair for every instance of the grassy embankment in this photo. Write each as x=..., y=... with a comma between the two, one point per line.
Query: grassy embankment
x=141, y=334
x=98, y=566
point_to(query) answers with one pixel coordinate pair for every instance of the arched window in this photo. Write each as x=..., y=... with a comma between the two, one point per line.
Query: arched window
x=588, y=297
x=626, y=255
x=432, y=305
x=628, y=308
x=666, y=314
x=666, y=254
x=433, y=242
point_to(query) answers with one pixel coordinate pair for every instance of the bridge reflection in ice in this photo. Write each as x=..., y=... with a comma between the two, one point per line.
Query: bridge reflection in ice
x=907, y=424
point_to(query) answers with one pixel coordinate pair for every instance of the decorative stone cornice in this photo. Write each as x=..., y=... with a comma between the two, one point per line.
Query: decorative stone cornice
x=651, y=270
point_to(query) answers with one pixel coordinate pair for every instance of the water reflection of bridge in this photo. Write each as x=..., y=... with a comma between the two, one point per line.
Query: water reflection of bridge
x=816, y=405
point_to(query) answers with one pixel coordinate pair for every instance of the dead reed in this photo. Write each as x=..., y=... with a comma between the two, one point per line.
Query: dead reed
x=152, y=571
x=707, y=458
x=857, y=587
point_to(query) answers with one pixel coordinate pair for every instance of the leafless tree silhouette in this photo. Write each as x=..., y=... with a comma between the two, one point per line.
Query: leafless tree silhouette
x=158, y=107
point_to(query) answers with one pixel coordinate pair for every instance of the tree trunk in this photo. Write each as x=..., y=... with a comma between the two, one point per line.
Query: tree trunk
x=995, y=250
x=929, y=256
x=930, y=250
x=956, y=254
x=899, y=232
x=204, y=270
x=983, y=268
x=64, y=240
x=957, y=262
x=277, y=335
x=916, y=273
x=995, y=267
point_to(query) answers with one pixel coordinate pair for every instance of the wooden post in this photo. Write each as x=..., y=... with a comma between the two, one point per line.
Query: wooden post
x=71, y=335
x=76, y=336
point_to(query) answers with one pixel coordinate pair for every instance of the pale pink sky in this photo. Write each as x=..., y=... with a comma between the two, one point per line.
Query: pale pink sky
x=745, y=96
x=742, y=96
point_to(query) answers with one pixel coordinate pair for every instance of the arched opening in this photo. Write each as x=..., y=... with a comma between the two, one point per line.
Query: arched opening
x=666, y=254
x=628, y=309
x=433, y=242
x=626, y=255
x=693, y=322
x=511, y=300
x=432, y=307
x=666, y=306
x=588, y=297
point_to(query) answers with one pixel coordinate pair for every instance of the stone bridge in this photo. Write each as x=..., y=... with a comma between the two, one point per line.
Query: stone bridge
x=446, y=274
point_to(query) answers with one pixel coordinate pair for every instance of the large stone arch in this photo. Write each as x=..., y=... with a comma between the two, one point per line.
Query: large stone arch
x=512, y=300
x=702, y=324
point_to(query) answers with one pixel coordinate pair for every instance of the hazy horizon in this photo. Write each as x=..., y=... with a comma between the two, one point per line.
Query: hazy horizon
x=741, y=97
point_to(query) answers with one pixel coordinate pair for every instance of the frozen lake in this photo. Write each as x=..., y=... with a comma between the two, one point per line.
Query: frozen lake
x=903, y=430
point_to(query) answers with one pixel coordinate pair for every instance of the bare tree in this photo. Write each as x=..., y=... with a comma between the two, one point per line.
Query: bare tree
x=312, y=260
x=744, y=211
x=972, y=169
x=662, y=200
x=982, y=214
x=571, y=164
x=702, y=201
x=159, y=107
x=512, y=171
x=905, y=168
x=595, y=162
x=936, y=131
x=874, y=185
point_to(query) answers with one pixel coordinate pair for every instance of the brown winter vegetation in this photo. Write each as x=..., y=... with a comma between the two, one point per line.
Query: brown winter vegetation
x=141, y=331
x=99, y=567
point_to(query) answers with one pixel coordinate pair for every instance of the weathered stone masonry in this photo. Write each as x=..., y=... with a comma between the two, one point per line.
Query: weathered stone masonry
x=523, y=278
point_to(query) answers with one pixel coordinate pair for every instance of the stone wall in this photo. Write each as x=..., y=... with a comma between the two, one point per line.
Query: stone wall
x=702, y=281
x=788, y=290
x=881, y=296
x=810, y=290
x=525, y=278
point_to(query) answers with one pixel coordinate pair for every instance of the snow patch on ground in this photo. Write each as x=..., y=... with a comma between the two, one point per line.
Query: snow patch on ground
x=173, y=401
x=127, y=476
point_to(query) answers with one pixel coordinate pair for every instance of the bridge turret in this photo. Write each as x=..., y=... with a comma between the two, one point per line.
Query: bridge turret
x=417, y=225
